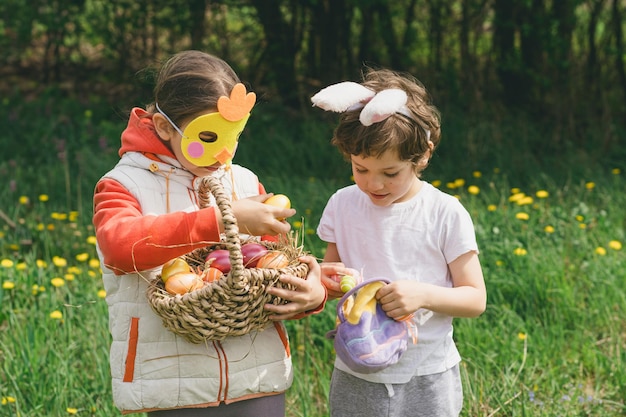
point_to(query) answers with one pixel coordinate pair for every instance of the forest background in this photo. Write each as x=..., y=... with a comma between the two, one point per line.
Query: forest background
x=533, y=101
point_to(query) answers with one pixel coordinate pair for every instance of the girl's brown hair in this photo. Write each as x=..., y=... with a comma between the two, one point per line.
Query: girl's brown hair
x=190, y=83
x=405, y=135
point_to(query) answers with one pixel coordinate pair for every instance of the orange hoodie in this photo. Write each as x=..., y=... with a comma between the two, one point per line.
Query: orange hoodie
x=131, y=241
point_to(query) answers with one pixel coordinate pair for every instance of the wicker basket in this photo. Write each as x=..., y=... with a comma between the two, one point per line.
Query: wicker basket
x=233, y=305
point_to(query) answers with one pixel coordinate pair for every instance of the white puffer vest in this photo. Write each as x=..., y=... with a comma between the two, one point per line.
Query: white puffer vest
x=151, y=367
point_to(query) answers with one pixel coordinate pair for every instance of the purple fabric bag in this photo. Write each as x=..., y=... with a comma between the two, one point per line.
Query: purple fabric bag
x=367, y=340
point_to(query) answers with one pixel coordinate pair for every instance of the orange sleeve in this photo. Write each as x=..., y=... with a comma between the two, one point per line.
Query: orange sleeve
x=130, y=241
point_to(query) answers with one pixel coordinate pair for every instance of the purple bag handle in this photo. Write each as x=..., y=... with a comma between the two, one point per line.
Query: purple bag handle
x=352, y=291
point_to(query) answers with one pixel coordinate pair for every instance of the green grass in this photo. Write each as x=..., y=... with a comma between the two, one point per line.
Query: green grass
x=551, y=342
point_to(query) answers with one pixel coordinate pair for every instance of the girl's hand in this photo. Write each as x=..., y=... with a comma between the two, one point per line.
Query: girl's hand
x=331, y=270
x=307, y=295
x=258, y=219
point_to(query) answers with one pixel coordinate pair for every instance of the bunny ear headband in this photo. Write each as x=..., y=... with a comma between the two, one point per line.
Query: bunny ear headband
x=376, y=107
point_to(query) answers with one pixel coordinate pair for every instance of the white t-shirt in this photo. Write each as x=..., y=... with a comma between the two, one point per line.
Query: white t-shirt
x=411, y=240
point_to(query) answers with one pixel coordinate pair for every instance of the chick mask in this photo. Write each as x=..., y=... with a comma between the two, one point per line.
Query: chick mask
x=213, y=137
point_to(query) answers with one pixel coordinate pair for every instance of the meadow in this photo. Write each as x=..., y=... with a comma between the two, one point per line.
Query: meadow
x=551, y=343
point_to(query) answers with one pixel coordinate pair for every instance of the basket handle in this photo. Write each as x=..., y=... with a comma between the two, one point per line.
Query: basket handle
x=211, y=185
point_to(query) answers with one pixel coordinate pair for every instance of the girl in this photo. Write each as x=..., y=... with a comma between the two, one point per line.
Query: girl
x=394, y=225
x=146, y=213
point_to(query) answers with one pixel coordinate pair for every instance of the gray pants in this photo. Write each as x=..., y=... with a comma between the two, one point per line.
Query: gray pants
x=438, y=395
x=271, y=406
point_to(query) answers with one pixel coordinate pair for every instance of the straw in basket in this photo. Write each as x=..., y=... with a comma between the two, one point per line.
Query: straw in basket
x=233, y=305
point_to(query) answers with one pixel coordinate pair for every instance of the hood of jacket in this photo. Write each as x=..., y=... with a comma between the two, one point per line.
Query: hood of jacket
x=140, y=136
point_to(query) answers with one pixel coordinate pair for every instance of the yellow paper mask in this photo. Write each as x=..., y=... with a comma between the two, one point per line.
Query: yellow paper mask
x=213, y=137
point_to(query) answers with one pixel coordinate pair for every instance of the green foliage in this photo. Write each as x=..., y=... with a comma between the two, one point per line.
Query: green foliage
x=550, y=232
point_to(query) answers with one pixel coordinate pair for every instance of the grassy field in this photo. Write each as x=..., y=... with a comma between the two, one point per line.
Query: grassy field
x=551, y=343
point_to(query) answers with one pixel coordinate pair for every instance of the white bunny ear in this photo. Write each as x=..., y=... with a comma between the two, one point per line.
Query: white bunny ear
x=383, y=105
x=342, y=96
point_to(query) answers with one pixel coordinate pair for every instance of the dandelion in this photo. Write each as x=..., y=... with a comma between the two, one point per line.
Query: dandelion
x=57, y=282
x=59, y=262
x=309, y=231
x=102, y=294
x=451, y=185
x=520, y=252
x=40, y=227
x=82, y=257
x=34, y=289
x=50, y=227
x=548, y=229
x=58, y=216
x=94, y=263
x=91, y=274
x=582, y=226
x=74, y=270
x=459, y=182
x=499, y=263
x=6, y=263
x=542, y=194
x=580, y=218
x=615, y=245
x=521, y=336
x=56, y=315
x=297, y=224
x=492, y=207
x=600, y=251
x=522, y=216
x=43, y=198
x=91, y=240
x=21, y=266
x=24, y=200
x=472, y=189
x=524, y=201
x=436, y=183
x=73, y=216
x=516, y=196
x=477, y=174
x=515, y=190
x=8, y=285
x=69, y=277
x=41, y=263
x=590, y=185
x=71, y=410
x=616, y=171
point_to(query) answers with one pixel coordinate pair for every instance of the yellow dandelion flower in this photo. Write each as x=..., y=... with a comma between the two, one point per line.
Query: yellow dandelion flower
x=616, y=171
x=492, y=207
x=74, y=270
x=7, y=400
x=516, y=196
x=515, y=190
x=73, y=216
x=71, y=410
x=8, y=285
x=522, y=216
x=57, y=282
x=579, y=218
x=309, y=231
x=42, y=288
x=590, y=185
x=59, y=262
x=50, y=227
x=34, y=289
x=548, y=229
x=600, y=251
x=436, y=183
x=40, y=227
x=520, y=252
x=615, y=245
x=91, y=240
x=542, y=194
x=6, y=263
x=524, y=201
x=521, y=336
x=297, y=224
x=43, y=198
x=472, y=189
x=102, y=294
x=24, y=200
x=94, y=263
x=56, y=315
x=21, y=266
x=450, y=185
x=1, y=234
x=14, y=247
x=477, y=174
x=459, y=182
x=582, y=226
x=499, y=263
x=92, y=274
x=41, y=263
x=82, y=257
x=69, y=277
